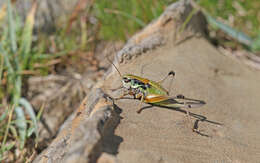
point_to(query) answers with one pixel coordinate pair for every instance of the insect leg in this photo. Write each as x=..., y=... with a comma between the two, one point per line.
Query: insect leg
x=169, y=74
x=188, y=115
x=187, y=106
x=115, y=89
x=140, y=104
x=194, y=128
x=123, y=95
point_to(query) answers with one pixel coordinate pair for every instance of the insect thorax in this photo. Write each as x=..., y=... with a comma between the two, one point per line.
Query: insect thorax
x=135, y=86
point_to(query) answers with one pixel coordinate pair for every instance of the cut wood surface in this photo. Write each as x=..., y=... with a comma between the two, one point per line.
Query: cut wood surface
x=231, y=92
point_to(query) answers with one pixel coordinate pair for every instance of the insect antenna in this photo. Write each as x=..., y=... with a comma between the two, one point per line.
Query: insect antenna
x=114, y=66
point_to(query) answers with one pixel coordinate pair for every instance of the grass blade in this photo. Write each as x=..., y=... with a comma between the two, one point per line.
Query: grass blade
x=27, y=36
x=125, y=14
x=3, y=116
x=29, y=109
x=237, y=35
x=40, y=112
x=187, y=20
x=7, y=127
x=1, y=67
x=6, y=148
x=13, y=131
x=9, y=146
x=22, y=126
x=256, y=44
x=11, y=25
x=17, y=89
x=6, y=60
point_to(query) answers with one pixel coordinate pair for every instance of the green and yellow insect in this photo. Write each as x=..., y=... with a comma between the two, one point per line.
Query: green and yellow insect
x=152, y=92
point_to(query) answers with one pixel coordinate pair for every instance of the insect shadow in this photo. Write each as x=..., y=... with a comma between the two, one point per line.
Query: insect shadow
x=198, y=117
x=111, y=141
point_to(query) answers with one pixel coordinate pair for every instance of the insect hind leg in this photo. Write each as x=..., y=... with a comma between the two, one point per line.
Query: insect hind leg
x=194, y=128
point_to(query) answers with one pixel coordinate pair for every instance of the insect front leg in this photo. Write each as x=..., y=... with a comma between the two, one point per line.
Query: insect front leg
x=115, y=89
x=140, y=104
x=125, y=93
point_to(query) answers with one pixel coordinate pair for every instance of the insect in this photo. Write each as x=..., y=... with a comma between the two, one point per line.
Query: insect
x=152, y=92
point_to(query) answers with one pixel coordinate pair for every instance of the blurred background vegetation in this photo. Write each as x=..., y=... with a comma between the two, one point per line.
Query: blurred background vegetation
x=27, y=52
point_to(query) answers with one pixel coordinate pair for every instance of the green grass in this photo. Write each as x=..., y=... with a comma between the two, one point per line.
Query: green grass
x=246, y=17
x=238, y=17
x=16, y=54
x=121, y=19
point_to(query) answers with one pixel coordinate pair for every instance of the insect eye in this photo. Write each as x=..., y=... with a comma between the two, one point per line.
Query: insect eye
x=126, y=80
